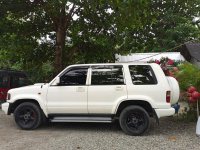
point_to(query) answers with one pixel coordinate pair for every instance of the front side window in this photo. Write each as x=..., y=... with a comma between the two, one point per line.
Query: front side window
x=75, y=76
x=107, y=75
x=142, y=75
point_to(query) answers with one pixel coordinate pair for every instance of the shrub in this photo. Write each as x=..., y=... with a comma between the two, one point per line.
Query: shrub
x=189, y=75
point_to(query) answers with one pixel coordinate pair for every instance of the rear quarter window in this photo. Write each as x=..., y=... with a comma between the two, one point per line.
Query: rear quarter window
x=142, y=75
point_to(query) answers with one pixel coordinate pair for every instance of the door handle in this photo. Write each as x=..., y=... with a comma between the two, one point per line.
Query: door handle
x=80, y=89
x=118, y=88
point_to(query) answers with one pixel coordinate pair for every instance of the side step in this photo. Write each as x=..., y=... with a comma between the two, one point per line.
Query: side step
x=82, y=119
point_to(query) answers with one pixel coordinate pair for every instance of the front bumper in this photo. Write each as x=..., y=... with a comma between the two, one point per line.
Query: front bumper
x=165, y=112
x=5, y=107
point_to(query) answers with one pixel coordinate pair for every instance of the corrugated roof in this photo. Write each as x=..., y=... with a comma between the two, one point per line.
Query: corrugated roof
x=194, y=50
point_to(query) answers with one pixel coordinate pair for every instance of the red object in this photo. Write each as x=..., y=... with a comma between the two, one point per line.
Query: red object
x=192, y=100
x=191, y=89
x=189, y=94
x=157, y=61
x=195, y=95
x=168, y=96
x=3, y=93
x=170, y=62
x=11, y=79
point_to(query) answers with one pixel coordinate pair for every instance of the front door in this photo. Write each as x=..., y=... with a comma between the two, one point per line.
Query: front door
x=70, y=96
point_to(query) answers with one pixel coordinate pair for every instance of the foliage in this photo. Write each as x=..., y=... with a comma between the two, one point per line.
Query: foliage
x=65, y=32
x=168, y=65
x=171, y=26
x=189, y=116
x=89, y=31
x=189, y=75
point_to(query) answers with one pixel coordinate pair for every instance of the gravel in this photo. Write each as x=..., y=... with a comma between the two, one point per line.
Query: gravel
x=171, y=134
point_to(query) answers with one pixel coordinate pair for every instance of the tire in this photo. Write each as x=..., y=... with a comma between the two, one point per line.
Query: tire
x=134, y=120
x=28, y=116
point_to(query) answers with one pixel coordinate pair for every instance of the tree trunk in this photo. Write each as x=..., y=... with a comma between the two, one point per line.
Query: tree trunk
x=60, y=45
x=61, y=23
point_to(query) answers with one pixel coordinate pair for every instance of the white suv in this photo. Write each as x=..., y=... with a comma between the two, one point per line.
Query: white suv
x=130, y=93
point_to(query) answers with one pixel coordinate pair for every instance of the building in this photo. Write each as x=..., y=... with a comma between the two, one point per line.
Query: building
x=191, y=52
x=144, y=57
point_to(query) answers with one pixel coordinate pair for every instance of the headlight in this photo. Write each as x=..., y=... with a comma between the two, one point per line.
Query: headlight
x=8, y=96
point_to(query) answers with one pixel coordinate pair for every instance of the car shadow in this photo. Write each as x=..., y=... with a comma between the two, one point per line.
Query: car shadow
x=167, y=126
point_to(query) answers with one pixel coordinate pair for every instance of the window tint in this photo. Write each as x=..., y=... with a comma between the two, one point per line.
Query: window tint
x=107, y=75
x=18, y=81
x=3, y=82
x=76, y=76
x=14, y=81
x=142, y=75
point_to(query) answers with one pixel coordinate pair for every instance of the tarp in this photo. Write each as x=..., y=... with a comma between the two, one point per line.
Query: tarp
x=144, y=57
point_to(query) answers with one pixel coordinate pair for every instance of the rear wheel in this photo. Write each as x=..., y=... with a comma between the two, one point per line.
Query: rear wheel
x=134, y=120
x=28, y=116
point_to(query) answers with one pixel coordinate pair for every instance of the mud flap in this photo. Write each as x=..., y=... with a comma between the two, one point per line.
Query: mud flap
x=156, y=117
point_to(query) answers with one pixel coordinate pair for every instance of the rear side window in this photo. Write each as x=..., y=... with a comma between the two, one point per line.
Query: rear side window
x=18, y=81
x=142, y=75
x=76, y=76
x=107, y=75
x=4, y=82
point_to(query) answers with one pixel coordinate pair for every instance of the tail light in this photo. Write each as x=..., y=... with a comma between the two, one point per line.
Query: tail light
x=168, y=96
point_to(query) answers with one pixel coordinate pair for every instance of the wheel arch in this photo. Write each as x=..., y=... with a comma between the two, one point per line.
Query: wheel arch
x=14, y=105
x=142, y=103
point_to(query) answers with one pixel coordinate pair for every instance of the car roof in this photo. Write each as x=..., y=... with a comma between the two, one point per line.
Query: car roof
x=130, y=63
x=14, y=72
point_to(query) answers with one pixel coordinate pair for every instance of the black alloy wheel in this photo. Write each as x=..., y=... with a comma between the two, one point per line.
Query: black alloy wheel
x=28, y=116
x=134, y=120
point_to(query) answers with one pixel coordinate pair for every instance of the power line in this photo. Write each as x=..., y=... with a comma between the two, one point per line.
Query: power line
x=165, y=51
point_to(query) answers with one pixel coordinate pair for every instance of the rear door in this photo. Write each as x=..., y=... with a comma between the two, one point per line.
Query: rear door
x=145, y=85
x=106, y=86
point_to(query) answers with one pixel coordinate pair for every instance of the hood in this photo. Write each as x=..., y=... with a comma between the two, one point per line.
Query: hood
x=39, y=84
x=28, y=89
x=28, y=92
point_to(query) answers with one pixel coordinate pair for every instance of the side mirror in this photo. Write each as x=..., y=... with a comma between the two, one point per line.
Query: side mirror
x=57, y=81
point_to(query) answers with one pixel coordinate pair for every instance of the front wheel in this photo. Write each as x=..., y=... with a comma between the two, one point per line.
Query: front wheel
x=134, y=120
x=28, y=116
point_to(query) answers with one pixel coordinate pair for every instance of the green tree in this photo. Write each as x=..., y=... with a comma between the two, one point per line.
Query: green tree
x=171, y=25
x=65, y=20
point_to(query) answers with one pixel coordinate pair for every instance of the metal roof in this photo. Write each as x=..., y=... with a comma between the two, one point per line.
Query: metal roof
x=194, y=50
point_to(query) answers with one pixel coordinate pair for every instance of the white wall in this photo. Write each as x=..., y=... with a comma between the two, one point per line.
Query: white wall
x=144, y=57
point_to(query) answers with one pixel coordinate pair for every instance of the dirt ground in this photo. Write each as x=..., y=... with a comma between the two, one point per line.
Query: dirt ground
x=171, y=134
